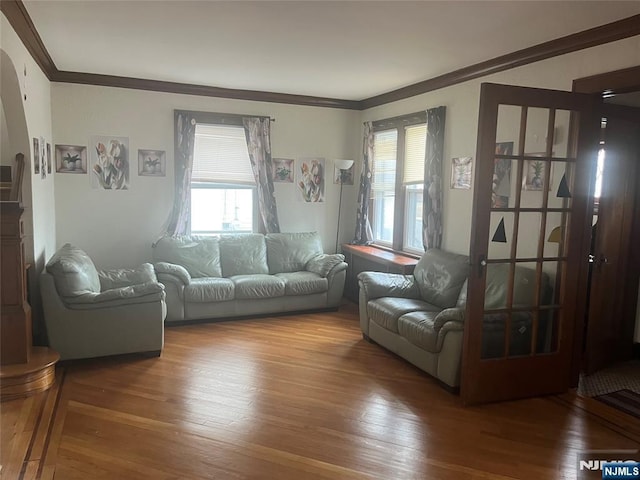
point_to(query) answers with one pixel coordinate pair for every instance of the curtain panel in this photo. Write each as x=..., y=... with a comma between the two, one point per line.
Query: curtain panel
x=432, y=198
x=258, y=133
x=364, y=235
x=178, y=222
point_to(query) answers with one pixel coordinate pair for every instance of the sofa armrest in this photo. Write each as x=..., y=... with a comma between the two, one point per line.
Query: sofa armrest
x=134, y=294
x=449, y=315
x=172, y=273
x=326, y=264
x=379, y=284
x=123, y=277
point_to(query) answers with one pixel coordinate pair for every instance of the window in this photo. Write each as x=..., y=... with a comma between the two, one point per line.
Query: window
x=397, y=182
x=223, y=189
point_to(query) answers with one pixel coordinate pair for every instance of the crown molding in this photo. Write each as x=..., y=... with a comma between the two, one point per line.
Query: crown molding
x=619, y=81
x=19, y=19
x=610, y=32
x=202, y=90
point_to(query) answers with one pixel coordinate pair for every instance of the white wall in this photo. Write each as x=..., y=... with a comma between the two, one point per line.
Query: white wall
x=462, y=102
x=23, y=78
x=117, y=227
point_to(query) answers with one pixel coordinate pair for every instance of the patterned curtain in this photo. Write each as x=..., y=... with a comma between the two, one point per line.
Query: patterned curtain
x=364, y=235
x=257, y=132
x=180, y=217
x=432, y=198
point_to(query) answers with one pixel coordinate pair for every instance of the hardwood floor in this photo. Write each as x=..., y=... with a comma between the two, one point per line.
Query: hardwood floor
x=296, y=397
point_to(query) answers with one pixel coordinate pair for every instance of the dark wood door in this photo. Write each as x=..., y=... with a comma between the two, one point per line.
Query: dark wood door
x=536, y=157
x=616, y=263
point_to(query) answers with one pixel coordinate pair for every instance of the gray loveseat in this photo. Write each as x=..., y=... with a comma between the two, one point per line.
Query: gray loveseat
x=93, y=313
x=420, y=317
x=415, y=316
x=247, y=274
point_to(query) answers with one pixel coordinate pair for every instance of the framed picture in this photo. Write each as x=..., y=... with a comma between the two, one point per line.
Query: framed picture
x=535, y=172
x=48, y=158
x=109, y=162
x=348, y=175
x=282, y=169
x=501, y=188
x=461, y=172
x=71, y=158
x=43, y=158
x=310, y=174
x=152, y=163
x=36, y=156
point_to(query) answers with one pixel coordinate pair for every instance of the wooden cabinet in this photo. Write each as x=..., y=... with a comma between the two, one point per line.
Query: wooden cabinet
x=362, y=258
x=24, y=369
x=15, y=316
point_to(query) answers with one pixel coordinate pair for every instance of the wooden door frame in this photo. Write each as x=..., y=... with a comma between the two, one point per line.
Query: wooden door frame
x=614, y=82
x=536, y=374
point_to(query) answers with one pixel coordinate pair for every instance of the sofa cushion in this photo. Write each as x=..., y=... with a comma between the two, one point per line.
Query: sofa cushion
x=303, y=283
x=440, y=276
x=73, y=272
x=209, y=289
x=124, y=277
x=324, y=263
x=290, y=252
x=385, y=311
x=523, y=282
x=419, y=329
x=258, y=286
x=199, y=255
x=243, y=254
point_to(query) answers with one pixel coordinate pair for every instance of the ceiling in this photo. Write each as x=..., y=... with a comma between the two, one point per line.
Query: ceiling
x=348, y=50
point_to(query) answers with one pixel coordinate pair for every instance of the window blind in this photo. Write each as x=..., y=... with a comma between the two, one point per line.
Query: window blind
x=220, y=155
x=415, y=144
x=385, y=150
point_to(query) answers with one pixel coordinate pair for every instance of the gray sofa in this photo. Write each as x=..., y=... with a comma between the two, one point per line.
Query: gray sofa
x=247, y=274
x=93, y=313
x=420, y=317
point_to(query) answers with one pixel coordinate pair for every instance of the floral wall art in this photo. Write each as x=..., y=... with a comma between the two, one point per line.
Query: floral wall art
x=310, y=177
x=71, y=158
x=36, y=156
x=152, y=163
x=109, y=162
x=282, y=170
x=461, y=172
x=501, y=188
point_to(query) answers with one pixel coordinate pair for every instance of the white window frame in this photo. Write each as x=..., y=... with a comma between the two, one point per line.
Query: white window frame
x=222, y=119
x=402, y=208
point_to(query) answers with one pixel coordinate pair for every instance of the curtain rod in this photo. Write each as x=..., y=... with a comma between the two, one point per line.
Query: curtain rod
x=208, y=116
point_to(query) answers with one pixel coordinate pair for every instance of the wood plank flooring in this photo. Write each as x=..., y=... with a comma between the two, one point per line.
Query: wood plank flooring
x=292, y=397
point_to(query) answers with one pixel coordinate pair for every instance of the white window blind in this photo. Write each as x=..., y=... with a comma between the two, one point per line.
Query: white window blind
x=221, y=155
x=384, y=160
x=415, y=143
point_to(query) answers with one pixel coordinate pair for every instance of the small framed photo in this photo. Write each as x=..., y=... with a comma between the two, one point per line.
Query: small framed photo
x=36, y=155
x=43, y=158
x=71, y=159
x=461, y=168
x=535, y=172
x=282, y=170
x=348, y=175
x=152, y=163
x=48, y=159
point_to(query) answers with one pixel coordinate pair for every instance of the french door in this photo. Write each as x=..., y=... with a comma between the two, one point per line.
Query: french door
x=536, y=157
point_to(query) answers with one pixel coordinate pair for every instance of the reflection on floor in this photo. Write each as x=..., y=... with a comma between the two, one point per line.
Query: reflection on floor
x=618, y=377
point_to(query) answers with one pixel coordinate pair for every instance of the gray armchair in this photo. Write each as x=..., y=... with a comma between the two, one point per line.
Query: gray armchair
x=90, y=313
